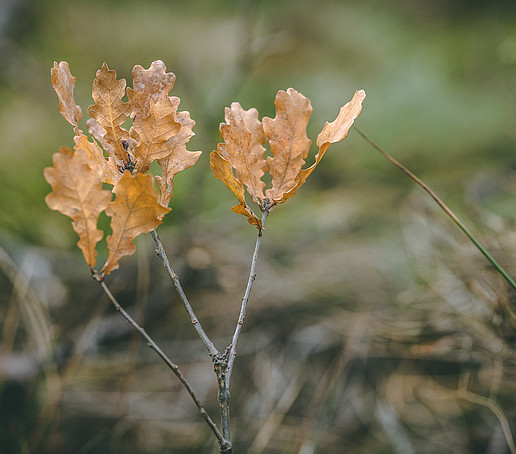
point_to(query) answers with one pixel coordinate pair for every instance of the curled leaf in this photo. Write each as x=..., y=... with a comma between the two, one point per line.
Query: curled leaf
x=338, y=129
x=135, y=210
x=64, y=83
x=288, y=140
x=95, y=153
x=332, y=132
x=179, y=158
x=109, y=110
x=77, y=192
x=223, y=170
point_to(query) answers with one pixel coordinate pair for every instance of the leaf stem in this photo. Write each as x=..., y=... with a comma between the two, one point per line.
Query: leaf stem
x=444, y=207
x=252, y=276
x=172, y=366
x=160, y=251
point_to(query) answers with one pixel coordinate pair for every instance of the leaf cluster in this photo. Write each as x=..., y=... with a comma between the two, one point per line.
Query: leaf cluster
x=119, y=157
x=240, y=160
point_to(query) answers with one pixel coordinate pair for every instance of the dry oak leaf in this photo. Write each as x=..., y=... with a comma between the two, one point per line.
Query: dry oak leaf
x=149, y=84
x=244, y=139
x=223, y=170
x=95, y=153
x=288, y=141
x=135, y=210
x=109, y=110
x=64, y=83
x=77, y=192
x=179, y=158
x=332, y=132
x=153, y=132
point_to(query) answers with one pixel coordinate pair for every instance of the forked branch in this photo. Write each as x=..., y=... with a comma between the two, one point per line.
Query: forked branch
x=252, y=276
x=160, y=251
x=171, y=365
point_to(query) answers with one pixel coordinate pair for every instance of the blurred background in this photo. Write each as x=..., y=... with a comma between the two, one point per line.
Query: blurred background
x=374, y=325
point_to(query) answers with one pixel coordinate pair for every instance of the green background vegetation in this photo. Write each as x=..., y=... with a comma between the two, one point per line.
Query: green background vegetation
x=363, y=285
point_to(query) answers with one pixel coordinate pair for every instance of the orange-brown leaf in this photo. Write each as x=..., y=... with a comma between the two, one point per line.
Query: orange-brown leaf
x=109, y=110
x=332, y=132
x=149, y=84
x=135, y=210
x=244, y=137
x=98, y=133
x=94, y=153
x=179, y=158
x=288, y=140
x=338, y=129
x=223, y=170
x=64, y=83
x=154, y=131
x=77, y=192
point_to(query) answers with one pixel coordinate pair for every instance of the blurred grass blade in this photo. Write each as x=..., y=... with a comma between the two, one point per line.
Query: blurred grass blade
x=444, y=207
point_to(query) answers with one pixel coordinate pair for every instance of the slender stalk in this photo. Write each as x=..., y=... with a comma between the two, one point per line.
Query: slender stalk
x=172, y=366
x=444, y=207
x=220, y=366
x=177, y=284
x=252, y=276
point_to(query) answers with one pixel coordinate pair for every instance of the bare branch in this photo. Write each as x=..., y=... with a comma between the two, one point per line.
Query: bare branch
x=172, y=366
x=175, y=280
x=252, y=276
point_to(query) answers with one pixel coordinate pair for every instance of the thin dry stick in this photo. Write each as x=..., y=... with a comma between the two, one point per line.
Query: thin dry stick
x=166, y=359
x=252, y=276
x=175, y=280
x=443, y=206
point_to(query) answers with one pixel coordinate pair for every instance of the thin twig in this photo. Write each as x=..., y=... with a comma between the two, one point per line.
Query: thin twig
x=175, y=280
x=252, y=276
x=220, y=366
x=172, y=366
x=444, y=207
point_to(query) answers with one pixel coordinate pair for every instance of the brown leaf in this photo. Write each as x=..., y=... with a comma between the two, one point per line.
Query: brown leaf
x=223, y=170
x=338, y=129
x=331, y=133
x=153, y=132
x=179, y=158
x=135, y=210
x=64, y=83
x=77, y=192
x=288, y=140
x=95, y=153
x=244, y=137
x=149, y=84
x=98, y=133
x=109, y=110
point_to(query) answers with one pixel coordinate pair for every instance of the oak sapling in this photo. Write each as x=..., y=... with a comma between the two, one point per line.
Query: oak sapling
x=122, y=159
